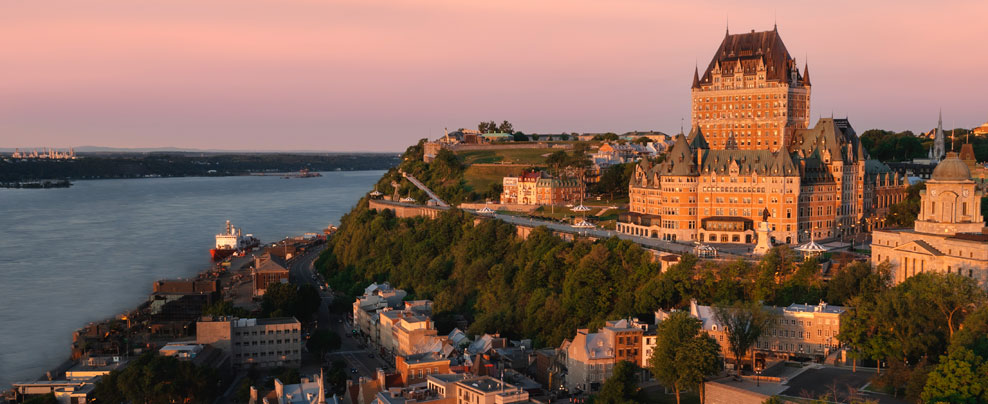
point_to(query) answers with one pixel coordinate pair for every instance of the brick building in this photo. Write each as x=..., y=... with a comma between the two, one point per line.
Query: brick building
x=750, y=152
x=268, y=269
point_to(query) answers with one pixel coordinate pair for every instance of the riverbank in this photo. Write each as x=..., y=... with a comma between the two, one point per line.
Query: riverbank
x=110, y=343
x=95, y=248
x=39, y=184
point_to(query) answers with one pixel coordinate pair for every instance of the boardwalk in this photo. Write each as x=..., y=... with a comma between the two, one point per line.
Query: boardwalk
x=422, y=186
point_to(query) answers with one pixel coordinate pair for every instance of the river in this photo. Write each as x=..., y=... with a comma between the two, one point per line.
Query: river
x=81, y=254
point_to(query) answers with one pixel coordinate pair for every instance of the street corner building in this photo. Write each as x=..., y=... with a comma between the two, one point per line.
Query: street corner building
x=751, y=156
x=949, y=235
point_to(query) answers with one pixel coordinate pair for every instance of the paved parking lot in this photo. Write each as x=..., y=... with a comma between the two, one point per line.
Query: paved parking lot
x=813, y=383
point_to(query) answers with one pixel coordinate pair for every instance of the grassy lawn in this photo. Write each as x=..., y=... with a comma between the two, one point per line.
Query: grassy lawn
x=480, y=178
x=658, y=397
x=513, y=156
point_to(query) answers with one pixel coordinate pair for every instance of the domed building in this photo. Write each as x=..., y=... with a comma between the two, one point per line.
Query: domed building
x=949, y=235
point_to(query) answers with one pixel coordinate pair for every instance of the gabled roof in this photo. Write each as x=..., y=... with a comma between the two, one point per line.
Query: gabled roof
x=696, y=139
x=679, y=160
x=830, y=137
x=762, y=162
x=922, y=247
x=749, y=52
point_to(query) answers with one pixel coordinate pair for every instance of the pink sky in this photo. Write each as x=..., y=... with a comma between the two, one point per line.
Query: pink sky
x=375, y=75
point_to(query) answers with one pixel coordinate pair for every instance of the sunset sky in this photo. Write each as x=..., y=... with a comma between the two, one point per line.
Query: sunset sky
x=373, y=75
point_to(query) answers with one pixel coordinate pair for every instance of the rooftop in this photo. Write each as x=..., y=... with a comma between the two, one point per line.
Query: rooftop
x=485, y=384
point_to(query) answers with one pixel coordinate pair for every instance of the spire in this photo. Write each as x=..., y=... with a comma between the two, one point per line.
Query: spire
x=696, y=77
x=806, y=73
x=727, y=25
x=939, y=149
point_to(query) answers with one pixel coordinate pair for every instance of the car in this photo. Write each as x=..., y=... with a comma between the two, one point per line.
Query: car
x=353, y=370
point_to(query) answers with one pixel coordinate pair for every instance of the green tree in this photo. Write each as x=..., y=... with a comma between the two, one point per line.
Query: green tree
x=290, y=300
x=859, y=278
x=621, y=387
x=683, y=355
x=154, y=379
x=744, y=323
x=961, y=377
x=42, y=399
x=323, y=341
x=225, y=308
x=505, y=127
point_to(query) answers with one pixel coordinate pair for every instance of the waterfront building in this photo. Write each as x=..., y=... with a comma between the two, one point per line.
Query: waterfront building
x=750, y=151
x=45, y=154
x=268, y=269
x=538, y=188
x=264, y=342
x=949, y=235
x=799, y=330
x=590, y=357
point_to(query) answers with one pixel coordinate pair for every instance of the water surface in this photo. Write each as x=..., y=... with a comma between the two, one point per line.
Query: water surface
x=75, y=255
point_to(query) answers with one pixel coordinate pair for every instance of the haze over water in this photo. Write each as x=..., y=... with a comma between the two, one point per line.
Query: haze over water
x=76, y=255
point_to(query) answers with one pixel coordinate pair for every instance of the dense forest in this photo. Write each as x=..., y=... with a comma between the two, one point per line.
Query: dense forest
x=119, y=165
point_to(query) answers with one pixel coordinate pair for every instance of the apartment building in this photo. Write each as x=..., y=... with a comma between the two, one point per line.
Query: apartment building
x=590, y=357
x=265, y=342
x=799, y=330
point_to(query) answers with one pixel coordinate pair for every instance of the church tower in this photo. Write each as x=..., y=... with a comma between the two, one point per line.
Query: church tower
x=950, y=204
x=938, y=150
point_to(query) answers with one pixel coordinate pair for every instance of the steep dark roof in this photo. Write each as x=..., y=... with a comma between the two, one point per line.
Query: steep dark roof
x=746, y=51
x=679, y=160
x=696, y=139
x=762, y=162
x=829, y=136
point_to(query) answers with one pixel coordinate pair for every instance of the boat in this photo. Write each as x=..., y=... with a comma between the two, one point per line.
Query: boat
x=232, y=242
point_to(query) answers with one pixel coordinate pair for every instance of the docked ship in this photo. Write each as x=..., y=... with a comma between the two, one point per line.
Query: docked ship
x=232, y=241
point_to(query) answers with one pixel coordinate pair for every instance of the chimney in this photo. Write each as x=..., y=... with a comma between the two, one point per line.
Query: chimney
x=279, y=389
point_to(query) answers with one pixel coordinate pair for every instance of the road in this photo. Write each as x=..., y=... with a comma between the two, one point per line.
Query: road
x=654, y=243
x=301, y=270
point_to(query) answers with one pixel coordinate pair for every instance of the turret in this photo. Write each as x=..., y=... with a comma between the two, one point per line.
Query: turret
x=806, y=75
x=696, y=77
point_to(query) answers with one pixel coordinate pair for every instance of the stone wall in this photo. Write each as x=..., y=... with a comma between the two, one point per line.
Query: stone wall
x=723, y=394
x=405, y=210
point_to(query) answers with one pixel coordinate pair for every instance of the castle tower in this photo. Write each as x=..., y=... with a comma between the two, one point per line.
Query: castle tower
x=753, y=89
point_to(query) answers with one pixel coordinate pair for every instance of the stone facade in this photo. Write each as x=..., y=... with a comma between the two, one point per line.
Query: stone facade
x=800, y=330
x=949, y=235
